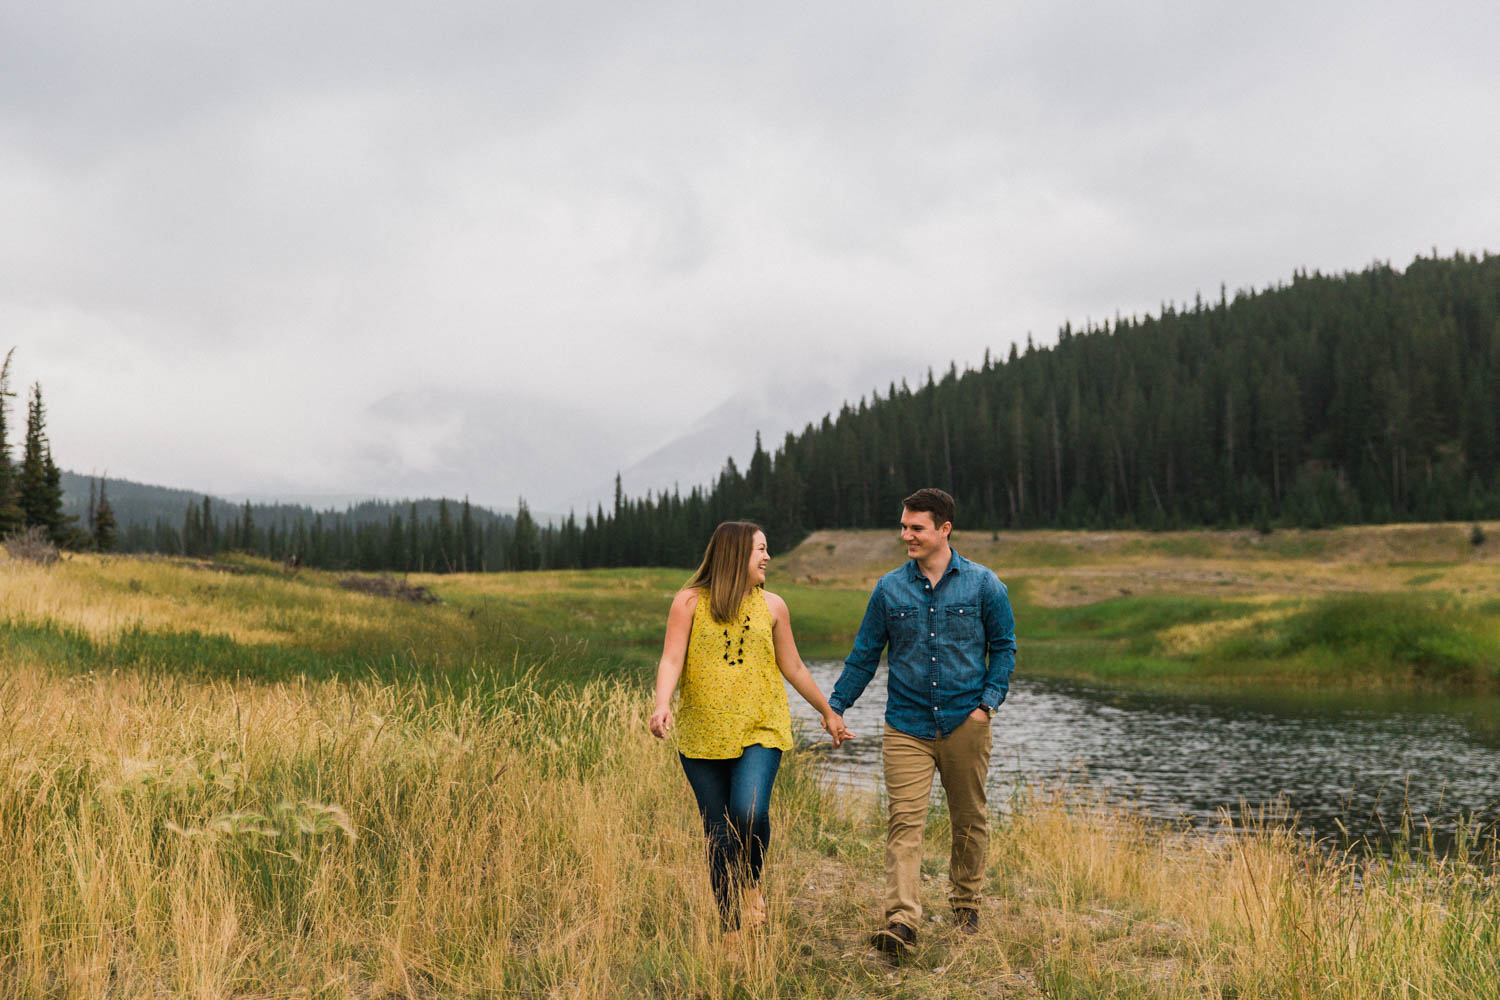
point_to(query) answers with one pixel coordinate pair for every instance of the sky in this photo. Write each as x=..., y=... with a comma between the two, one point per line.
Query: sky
x=510, y=248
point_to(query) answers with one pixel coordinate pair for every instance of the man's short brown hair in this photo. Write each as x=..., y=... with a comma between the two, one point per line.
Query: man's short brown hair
x=933, y=501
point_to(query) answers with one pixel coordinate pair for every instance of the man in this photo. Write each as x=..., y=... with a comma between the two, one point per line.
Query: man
x=952, y=642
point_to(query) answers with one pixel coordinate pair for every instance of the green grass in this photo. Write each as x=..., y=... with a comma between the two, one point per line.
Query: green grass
x=1424, y=639
x=1428, y=637
x=620, y=615
x=1124, y=617
x=1297, y=545
x=193, y=654
x=584, y=625
x=1423, y=578
x=581, y=625
x=1191, y=546
x=1039, y=553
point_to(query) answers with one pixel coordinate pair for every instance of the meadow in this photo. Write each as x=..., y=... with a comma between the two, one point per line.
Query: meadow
x=231, y=780
x=1398, y=606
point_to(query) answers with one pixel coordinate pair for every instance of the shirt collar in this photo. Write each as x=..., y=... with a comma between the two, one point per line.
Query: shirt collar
x=914, y=569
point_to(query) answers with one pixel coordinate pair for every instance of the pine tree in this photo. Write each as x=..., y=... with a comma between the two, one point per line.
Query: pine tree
x=63, y=527
x=527, y=556
x=414, y=561
x=191, y=533
x=32, y=483
x=104, y=527
x=209, y=539
x=467, y=558
x=444, y=563
x=41, y=481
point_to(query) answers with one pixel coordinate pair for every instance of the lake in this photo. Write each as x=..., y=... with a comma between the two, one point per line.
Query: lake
x=1345, y=763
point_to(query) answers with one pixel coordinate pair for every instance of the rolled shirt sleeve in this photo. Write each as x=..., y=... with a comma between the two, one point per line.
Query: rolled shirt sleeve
x=1000, y=640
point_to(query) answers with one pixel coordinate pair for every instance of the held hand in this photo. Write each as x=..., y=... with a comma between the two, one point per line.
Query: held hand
x=661, y=723
x=979, y=715
x=833, y=724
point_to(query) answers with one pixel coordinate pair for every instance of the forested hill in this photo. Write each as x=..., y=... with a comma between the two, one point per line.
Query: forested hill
x=437, y=535
x=1348, y=398
x=1332, y=399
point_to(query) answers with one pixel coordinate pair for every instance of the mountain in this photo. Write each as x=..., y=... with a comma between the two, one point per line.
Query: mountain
x=697, y=455
x=144, y=504
x=133, y=503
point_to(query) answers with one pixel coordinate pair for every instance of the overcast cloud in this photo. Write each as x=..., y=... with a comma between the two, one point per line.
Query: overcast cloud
x=505, y=248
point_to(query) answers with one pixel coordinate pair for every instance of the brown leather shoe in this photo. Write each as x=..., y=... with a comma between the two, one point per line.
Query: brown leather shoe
x=894, y=939
x=966, y=920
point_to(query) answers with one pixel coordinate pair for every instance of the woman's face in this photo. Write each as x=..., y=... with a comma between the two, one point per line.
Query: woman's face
x=760, y=558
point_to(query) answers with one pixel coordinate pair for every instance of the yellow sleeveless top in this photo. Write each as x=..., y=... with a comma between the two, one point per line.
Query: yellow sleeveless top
x=732, y=692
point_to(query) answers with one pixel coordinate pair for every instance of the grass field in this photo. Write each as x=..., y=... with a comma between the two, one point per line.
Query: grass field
x=1390, y=605
x=238, y=782
x=1393, y=606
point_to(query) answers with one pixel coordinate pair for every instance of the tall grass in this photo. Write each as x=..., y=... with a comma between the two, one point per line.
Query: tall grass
x=486, y=833
x=167, y=837
x=181, y=838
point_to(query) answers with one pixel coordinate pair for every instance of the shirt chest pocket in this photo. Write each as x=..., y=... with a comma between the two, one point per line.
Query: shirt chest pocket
x=901, y=624
x=961, y=622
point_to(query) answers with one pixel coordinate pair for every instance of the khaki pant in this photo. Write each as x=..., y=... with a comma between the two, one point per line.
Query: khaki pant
x=962, y=758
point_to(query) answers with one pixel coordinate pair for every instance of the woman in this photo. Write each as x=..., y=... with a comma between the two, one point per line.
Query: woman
x=727, y=638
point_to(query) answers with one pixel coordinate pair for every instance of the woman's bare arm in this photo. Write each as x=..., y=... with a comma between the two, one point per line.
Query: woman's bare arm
x=673, y=653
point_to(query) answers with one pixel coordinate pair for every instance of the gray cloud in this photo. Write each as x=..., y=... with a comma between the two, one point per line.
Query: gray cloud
x=477, y=247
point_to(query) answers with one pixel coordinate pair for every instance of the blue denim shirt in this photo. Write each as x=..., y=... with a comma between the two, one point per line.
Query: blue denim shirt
x=938, y=637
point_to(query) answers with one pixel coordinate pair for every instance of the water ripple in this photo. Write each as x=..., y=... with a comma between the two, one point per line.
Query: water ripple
x=1350, y=763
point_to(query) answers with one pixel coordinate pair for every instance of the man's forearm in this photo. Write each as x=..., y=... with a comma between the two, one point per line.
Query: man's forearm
x=860, y=664
x=850, y=685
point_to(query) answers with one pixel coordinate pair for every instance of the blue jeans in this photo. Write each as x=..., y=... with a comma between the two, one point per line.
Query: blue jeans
x=734, y=798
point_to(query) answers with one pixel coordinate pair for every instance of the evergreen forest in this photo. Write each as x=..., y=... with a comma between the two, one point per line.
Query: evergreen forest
x=31, y=493
x=1330, y=399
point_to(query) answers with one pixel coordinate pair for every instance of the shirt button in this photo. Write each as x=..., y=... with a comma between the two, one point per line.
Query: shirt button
x=932, y=635
x=934, y=659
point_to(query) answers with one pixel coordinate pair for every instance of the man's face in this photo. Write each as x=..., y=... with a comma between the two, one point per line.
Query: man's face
x=920, y=535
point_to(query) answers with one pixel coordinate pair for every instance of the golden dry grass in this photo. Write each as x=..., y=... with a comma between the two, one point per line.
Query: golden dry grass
x=1069, y=568
x=175, y=837
x=170, y=839
x=106, y=596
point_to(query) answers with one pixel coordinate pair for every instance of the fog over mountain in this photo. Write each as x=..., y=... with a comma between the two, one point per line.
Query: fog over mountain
x=345, y=248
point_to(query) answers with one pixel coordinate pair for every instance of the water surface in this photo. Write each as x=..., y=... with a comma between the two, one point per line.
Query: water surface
x=1348, y=764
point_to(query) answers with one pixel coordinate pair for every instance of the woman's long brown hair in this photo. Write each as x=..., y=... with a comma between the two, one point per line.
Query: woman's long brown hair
x=724, y=574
